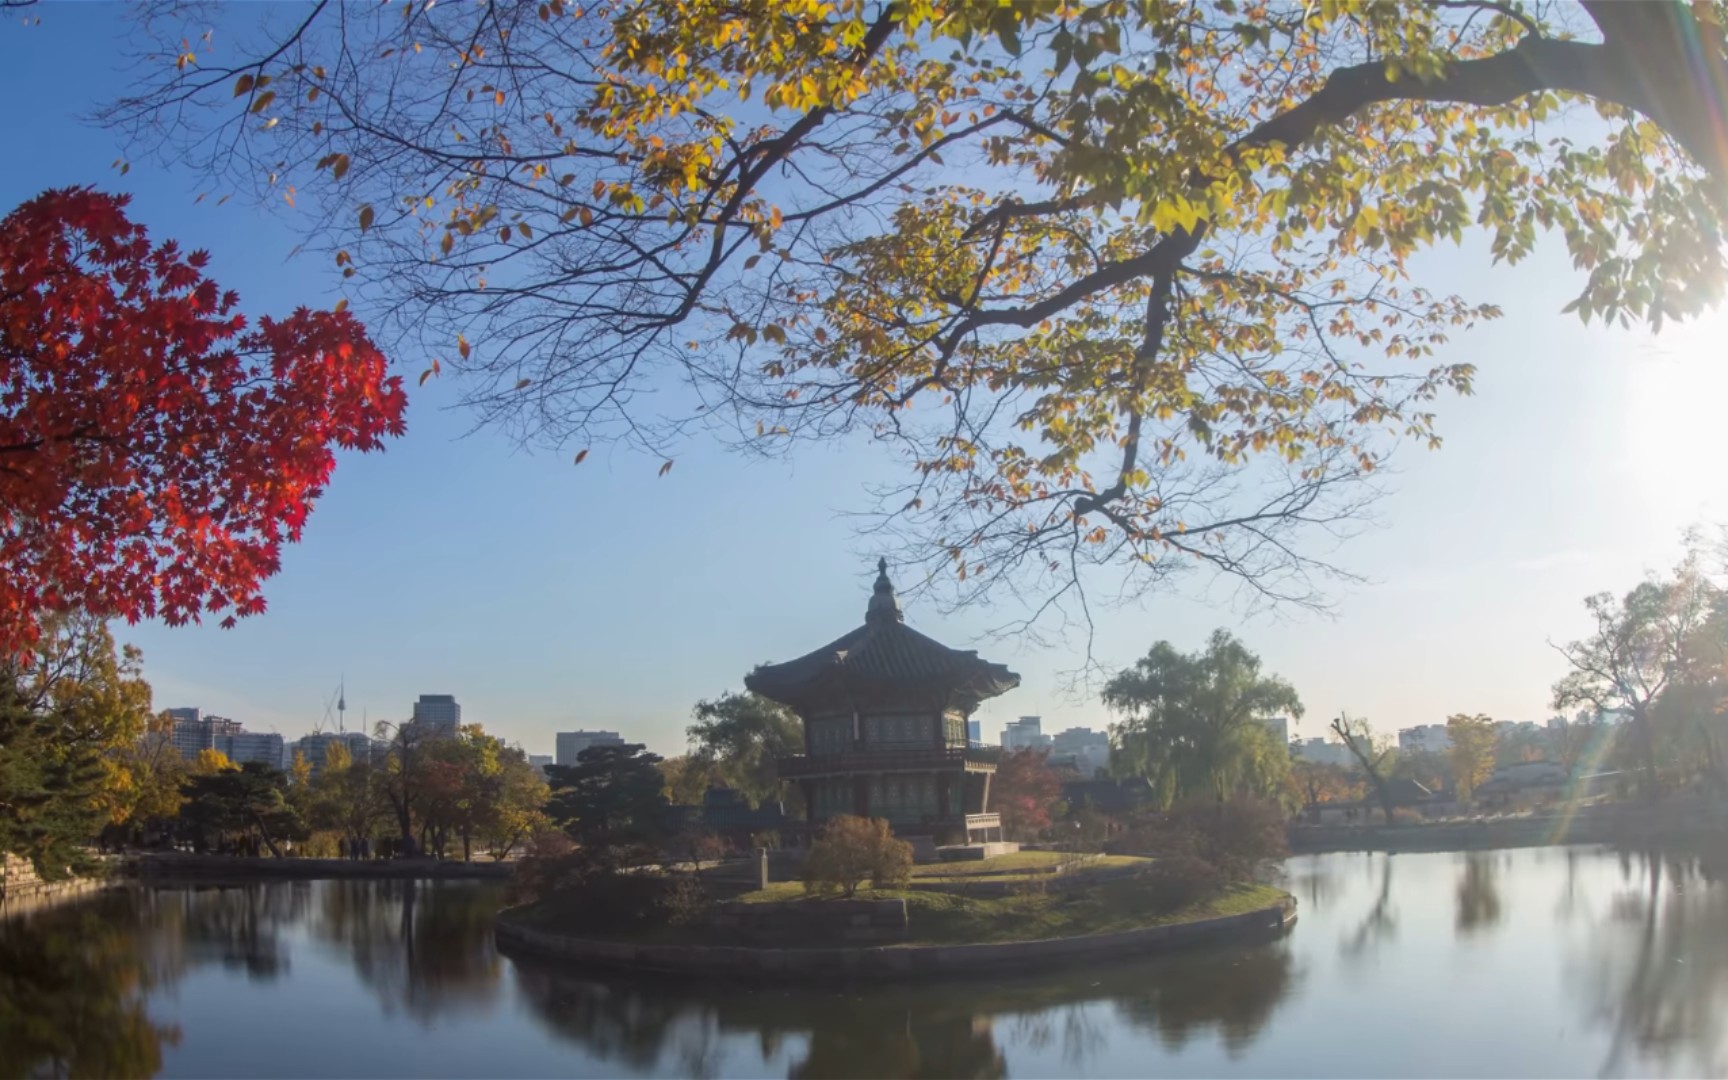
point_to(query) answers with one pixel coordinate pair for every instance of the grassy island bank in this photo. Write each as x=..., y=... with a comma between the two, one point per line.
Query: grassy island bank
x=945, y=934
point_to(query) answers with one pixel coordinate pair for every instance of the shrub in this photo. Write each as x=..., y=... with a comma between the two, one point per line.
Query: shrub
x=682, y=899
x=851, y=850
x=1238, y=837
x=607, y=888
x=543, y=863
x=1176, y=881
x=321, y=844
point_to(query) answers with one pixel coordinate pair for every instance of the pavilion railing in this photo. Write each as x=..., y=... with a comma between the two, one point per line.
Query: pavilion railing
x=905, y=759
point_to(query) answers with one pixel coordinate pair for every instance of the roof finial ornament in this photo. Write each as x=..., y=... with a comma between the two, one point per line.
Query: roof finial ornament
x=884, y=605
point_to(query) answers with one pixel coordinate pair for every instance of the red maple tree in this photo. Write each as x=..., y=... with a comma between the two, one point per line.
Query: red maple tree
x=1024, y=790
x=156, y=452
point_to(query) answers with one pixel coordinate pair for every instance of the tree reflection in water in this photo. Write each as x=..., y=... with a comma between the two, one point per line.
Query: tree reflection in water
x=72, y=994
x=240, y=927
x=73, y=980
x=1379, y=926
x=938, y=1029
x=1478, y=893
x=1658, y=973
x=424, y=948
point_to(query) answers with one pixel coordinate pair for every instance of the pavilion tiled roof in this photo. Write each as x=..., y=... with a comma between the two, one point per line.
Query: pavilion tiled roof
x=883, y=653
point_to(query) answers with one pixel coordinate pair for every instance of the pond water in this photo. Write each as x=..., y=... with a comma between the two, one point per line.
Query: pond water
x=1551, y=961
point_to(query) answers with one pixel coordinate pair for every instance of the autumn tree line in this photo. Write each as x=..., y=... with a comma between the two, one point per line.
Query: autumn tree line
x=1643, y=700
x=87, y=764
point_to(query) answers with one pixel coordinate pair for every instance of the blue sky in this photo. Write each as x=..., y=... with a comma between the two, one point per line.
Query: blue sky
x=549, y=597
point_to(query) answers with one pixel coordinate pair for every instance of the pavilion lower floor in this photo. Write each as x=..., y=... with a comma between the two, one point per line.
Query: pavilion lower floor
x=949, y=805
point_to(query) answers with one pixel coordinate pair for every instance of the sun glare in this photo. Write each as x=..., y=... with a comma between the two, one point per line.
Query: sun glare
x=1671, y=426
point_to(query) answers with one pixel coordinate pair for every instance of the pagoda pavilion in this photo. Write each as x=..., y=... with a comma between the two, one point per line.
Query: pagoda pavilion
x=884, y=711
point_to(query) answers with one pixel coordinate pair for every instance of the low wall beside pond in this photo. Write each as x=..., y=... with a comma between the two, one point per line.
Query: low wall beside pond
x=23, y=890
x=182, y=865
x=1614, y=823
x=889, y=961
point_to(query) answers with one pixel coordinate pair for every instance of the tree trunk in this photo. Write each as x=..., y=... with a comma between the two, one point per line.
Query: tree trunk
x=405, y=823
x=1381, y=791
x=1646, y=752
x=265, y=834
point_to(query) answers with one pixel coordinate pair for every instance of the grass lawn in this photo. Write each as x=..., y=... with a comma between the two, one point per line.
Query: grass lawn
x=1022, y=867
x=947, y=919
x=1023, y=863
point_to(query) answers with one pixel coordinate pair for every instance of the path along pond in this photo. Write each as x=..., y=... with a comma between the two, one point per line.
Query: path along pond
x=1533, y=962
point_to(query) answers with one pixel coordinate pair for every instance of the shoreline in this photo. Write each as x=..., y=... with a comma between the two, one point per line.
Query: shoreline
x=1620, y=825
x=180, y=866
x=888, y=961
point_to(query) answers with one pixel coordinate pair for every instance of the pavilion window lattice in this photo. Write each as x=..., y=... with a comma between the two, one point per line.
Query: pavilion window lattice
x=903, y=798
x=911, y=730
x=831, y=736
x=833, y=797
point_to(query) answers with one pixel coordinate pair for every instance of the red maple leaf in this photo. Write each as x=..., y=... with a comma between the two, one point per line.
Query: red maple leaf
x=156, y=452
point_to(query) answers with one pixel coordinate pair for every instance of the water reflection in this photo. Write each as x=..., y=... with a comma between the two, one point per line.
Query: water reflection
x=1379, y=926
x=944, y=1028
x=1478, y=897
x=422, y=949
x=1659, y=980
x=1599, y=963
x=72, y=995
x=74, y=980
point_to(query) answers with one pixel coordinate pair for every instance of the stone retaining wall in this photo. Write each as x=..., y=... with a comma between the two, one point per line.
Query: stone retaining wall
x=23, y=890
x=839, y=920
x=891, y=961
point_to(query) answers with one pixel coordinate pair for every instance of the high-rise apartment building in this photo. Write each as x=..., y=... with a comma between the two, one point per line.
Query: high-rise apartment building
x=569, y=744
x=1322, y=752
x=1279, y=726
x=194, y=731
x=438, y=713
x=316, y=747
x=243, y=746
x=1026, y=733
x=1425, y=738
x=1082, y=749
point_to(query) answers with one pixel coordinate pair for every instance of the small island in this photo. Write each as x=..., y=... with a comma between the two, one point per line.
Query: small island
x=900, y=860
x=1041, y=908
